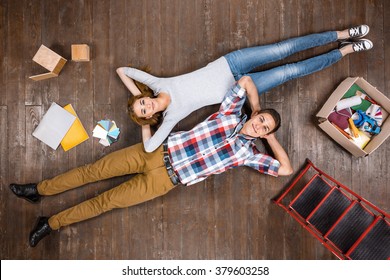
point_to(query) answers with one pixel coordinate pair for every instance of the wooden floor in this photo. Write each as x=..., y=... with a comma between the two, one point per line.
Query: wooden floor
x=229, y=216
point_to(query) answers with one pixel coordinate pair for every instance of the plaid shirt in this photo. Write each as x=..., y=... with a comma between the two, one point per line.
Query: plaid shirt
x=214, y=145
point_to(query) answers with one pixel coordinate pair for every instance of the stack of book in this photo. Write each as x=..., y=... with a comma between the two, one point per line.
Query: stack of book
x=61, y=126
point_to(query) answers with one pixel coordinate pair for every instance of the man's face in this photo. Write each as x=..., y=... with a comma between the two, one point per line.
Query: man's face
x=259, y=125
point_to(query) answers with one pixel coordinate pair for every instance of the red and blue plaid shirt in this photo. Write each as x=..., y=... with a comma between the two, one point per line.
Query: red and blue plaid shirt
x=214, y=145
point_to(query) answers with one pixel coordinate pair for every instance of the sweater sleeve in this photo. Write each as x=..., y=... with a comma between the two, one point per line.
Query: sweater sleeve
x=158, y=138
x=151, y=81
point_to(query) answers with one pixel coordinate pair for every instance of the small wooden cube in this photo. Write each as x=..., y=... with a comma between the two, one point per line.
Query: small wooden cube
x=80, y=52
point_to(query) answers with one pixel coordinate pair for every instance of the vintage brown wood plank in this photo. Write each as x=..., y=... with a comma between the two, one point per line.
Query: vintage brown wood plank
x=223, y=204
x=3, y=53
x=257, y=209
x=239, y=15
x=241, y=194
x=135, y=55
x=32, y=31
x=217, y=28
x=33, y=168
x=101, y=51
x=33, y=94
x=210, y=220
x=6, y=197
x=16, y=120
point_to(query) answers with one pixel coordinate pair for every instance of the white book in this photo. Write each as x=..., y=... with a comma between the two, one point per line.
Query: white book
x=54, y=125
x=99, y=132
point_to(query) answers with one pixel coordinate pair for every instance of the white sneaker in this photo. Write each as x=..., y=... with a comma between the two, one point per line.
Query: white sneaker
x=358, y=31
x=358, y=46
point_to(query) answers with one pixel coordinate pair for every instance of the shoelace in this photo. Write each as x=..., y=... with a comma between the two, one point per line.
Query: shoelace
x=359, y=47
x=355, y=31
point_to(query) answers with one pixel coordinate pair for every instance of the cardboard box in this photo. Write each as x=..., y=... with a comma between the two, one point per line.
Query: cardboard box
x=336, y=135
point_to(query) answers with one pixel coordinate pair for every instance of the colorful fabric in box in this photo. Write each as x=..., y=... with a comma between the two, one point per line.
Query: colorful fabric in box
x=365, y=122
x=375, y=112
x=340, y=118
x=352, y=92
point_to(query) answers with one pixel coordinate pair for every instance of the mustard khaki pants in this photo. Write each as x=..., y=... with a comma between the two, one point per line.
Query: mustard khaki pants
x=151, y=181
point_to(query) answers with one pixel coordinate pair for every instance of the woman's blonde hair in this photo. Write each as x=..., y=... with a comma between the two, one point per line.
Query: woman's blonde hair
x=145, y=92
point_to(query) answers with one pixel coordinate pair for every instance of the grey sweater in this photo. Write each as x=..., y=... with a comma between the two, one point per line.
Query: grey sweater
x=188, y=93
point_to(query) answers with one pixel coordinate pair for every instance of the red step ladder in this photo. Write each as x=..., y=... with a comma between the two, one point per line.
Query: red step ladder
x=345, y=223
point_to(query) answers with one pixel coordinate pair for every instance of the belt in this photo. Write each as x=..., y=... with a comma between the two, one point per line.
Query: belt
x=167, y=162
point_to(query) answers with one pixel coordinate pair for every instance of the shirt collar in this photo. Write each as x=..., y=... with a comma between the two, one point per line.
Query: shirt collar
x=238, y=128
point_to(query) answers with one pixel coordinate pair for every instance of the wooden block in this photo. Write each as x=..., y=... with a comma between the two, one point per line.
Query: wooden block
x=49, y=60
x=80, y=52
x=43, y=76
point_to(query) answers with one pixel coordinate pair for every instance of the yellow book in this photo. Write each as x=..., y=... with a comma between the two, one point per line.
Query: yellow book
x=76, y=134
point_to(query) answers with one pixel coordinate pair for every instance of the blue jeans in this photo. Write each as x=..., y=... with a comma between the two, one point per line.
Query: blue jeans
x=243, y=61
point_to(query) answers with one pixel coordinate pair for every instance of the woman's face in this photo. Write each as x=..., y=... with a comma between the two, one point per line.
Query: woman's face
x=145, y=107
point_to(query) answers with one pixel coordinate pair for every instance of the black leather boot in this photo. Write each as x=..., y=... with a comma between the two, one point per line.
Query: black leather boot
x=28, y=192
x=40, y=230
